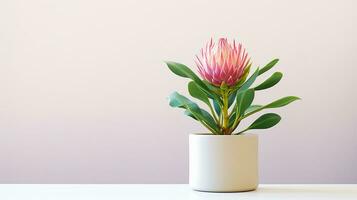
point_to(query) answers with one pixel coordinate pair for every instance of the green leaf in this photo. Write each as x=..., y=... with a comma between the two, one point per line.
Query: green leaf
x=282, y=102
x=197, y=93
x=244, y=100
x=275, y=104
x=188, y=113
x=217, y=108
x=270, y=82
x=231, y=98
x=249, y=82
x=180, y=101
x=268, y=66
x=263, y=122
x=208, y=118
x=252, y=108
x=232, y=118
x=180, y=69
x=183, y=71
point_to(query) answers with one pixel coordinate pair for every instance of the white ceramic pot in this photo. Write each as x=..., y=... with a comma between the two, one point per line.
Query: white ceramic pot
x=223, y=163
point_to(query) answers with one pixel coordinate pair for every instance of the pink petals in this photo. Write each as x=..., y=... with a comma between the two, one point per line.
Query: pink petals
x=225, y=64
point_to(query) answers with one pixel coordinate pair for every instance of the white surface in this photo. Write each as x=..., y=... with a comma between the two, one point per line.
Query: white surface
x=172, y=192
x=223, y=163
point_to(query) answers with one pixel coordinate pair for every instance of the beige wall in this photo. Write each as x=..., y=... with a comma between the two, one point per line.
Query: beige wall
x=83, y=87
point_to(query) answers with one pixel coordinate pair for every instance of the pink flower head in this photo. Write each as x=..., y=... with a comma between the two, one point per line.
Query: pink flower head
x=225, y=64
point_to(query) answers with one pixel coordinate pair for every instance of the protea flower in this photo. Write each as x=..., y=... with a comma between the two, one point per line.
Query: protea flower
x=225, y=64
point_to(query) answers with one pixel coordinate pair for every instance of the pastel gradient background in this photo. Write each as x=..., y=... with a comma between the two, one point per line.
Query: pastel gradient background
x=83, y=87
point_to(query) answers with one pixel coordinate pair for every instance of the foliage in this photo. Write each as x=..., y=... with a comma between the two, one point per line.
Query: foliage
x=228, y=104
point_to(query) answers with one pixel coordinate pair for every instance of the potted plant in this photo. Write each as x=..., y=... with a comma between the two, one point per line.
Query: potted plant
x=225, y=160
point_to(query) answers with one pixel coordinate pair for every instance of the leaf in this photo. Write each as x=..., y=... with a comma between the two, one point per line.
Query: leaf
x=217, y=108
x=282, y=102
x=180, y=69
x=232, y=118
x=244, y=100
x=275, y=104
x=268, y=66
x=211, y=87
x=180, y=101
x=252, y=108
x=231, y=98
x=197, y=93
x=183, y=71
x=270, y=82
x=249, y=82
x=208, y=117
x=264, y=122
x=188, y=113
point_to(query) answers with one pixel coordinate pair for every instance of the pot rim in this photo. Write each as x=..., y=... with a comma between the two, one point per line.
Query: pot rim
x=213, y=135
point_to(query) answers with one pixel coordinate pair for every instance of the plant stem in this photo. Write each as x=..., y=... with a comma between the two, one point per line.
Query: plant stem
x=235, y=125
x=225, y=112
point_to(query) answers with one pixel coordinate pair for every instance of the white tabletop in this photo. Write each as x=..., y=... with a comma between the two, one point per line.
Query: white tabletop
x=170, y=192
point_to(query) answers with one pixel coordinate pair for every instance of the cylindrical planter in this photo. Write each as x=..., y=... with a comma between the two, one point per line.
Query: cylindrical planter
x=223, y=163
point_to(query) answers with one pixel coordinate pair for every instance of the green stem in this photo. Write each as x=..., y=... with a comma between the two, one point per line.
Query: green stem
x=235, y=124
x=225, y=112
